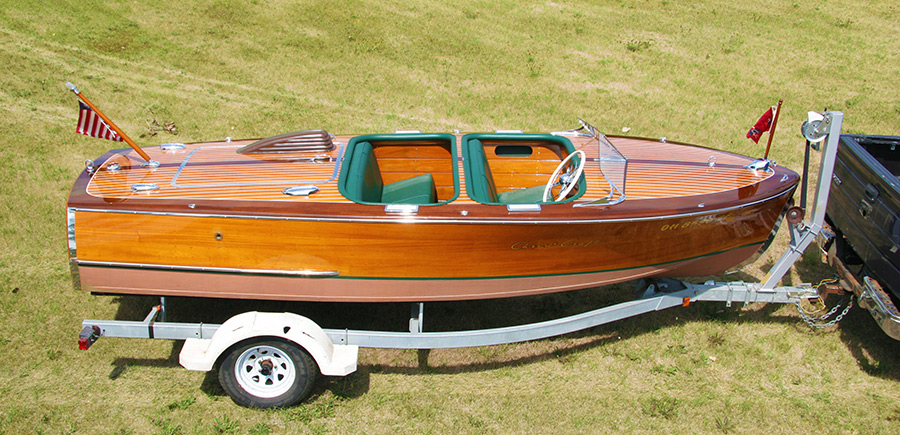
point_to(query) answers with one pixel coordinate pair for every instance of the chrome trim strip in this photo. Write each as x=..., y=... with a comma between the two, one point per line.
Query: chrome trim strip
x=310, y=273
x=70, y=223
x=73, y=252
x=426, y=220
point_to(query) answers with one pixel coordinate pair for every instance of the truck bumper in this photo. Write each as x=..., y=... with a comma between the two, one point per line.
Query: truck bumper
x=869, y=293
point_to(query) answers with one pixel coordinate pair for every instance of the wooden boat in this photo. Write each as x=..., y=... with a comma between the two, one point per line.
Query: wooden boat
x=415, y=217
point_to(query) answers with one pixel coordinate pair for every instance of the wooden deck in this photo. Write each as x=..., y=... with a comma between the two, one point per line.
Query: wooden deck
x=216, y=171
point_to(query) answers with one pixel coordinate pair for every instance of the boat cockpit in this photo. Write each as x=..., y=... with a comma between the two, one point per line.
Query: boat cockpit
x=499, y=169
x=517, y=168
x=402, y=170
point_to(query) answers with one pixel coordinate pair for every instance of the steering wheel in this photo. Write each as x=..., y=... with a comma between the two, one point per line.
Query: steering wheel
x=567, y=180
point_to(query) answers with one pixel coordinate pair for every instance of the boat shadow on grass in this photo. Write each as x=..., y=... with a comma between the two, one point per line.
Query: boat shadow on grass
x=876, y=354
x=136, y=308
x=121, y=364
x=874, y=351
x=565, y=348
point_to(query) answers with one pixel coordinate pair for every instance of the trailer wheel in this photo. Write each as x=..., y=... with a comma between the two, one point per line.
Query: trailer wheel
x=267, y=373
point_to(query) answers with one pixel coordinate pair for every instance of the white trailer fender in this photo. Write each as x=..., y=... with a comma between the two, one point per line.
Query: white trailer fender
x=333, y=360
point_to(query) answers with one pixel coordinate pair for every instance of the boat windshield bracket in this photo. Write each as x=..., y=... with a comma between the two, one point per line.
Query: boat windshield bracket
x=586, y=130
x=613, y=165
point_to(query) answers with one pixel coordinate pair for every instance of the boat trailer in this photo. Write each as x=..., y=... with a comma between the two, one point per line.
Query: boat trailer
x=271, y=359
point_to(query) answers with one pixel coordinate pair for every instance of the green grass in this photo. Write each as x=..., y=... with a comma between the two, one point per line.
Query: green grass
x=693, y=72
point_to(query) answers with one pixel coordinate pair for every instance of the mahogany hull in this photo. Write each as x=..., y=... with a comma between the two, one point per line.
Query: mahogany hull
x=161, y=282
x=347, y=252
x=239, y=257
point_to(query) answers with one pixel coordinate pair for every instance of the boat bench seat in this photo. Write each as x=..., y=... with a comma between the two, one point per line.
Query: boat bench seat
x=481, y=187
x=416, y=190
x=530, y=195
x=364, y=182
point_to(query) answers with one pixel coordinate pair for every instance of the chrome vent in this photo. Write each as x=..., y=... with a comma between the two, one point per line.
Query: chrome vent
x=294, y=142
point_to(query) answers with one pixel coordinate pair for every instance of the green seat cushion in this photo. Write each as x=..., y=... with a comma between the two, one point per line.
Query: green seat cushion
x=531, y=195
x=415, y=190
x=480, y=181
x=363, y=177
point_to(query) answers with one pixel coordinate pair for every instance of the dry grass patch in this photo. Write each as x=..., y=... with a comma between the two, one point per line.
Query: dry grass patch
x=698, y=73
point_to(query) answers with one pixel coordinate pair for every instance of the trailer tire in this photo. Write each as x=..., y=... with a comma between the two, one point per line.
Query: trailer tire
x=267, y=373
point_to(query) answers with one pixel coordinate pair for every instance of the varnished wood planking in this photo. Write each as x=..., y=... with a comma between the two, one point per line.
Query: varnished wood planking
x=635, y=148
x=410, y=250
x=422, y=150
x=275, y=172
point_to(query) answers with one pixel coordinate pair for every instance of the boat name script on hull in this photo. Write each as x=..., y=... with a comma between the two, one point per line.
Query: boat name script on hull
x=703, y=220
x=570, y=243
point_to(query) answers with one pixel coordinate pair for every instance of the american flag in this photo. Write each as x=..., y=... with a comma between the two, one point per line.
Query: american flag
x=91, y=124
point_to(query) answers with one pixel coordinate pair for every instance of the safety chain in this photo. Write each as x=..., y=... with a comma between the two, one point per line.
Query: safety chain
x=813, y=321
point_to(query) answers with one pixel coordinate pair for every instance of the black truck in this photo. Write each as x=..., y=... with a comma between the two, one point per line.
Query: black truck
x=862, y=233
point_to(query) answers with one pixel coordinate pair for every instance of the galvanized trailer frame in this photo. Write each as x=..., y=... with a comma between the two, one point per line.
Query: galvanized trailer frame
x=334, y=351
x=657, y=297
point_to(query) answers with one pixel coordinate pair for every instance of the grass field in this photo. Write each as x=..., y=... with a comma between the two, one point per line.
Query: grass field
x=699, y=72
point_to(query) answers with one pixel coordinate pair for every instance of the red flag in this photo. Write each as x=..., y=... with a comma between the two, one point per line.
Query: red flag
x=91, y=124
x=763, y=125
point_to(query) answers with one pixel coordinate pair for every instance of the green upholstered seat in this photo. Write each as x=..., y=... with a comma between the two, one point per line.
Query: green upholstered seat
x=415, y=190
x=364, y=182
x=531, y=195
x=363, y=177
x=480, y=182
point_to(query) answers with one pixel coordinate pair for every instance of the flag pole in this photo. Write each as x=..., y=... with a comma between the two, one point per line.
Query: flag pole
x=112, y=125
x=772, y=130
